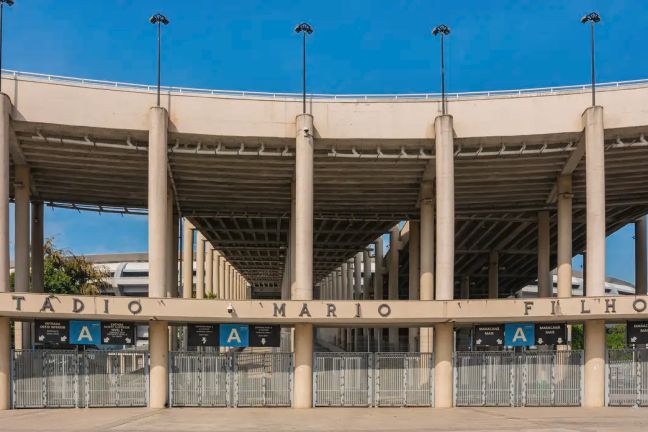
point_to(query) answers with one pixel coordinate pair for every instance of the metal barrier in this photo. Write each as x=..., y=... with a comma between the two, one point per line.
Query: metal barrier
x=627, y=377
x=364, y=379
x=532, y=378
x=212, y=379
x=67, y=379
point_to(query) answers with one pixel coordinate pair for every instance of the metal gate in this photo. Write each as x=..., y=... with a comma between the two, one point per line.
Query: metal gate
x=536, y=378
x=67, y=379
x=627, y=377
x=212, y=379
x=364, y=379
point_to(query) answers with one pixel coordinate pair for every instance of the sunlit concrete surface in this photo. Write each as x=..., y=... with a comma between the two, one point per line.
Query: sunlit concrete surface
x=326, y=419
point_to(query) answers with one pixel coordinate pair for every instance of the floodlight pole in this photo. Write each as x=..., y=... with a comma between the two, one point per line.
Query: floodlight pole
x=2, y=3
x=158, y=19
x=592, y=18
x=443, y=30
x=305, y=29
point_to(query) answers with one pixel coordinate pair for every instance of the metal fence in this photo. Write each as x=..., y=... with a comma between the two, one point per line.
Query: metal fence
x=212, y=379
x=627, y=377
x=364, y=379
x=67, y=379
x=504, y=378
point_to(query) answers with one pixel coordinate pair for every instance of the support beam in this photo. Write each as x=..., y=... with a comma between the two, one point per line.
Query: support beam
x=493, y=275
x=159, y=370
x=640, y=256
x=222, y=293
x=200, y=265
x=5, y=337
x=303, y=287
x=565, y=250
x=414, y=278
x=378, y=283
x=545, y=285
x=594, y=392
x=37, y=249
x=464, y=291
x=426, y=277
x=22, y=224
x=392, y=287
x=209, y=270
x=443, y=374
x=187, y=258
x=445, y=208
x=216, y=273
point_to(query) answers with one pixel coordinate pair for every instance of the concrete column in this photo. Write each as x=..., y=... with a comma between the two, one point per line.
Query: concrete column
x=414, y=278
x=222, y=294
x=344, y=270
x=443, y=348
x=357, y=294
x=564, y=264
x=22, y=224
x=159, y=372
x=464, y=291
x=378, y=283
x=200, y=266
x=303, y=287
x=493, y=275
x=366, y=281
x=215, y=273
x=445, y=209
x=392, y=286
x=174, y=290
x=349, y=296
x=426, y=284
x=640, y=256
x=545, y=285
x=594, y=392
x=187, y=258
x=595, y=200
x=37, y=250
x=5, y=338
x=171, y=260
x=158, y=234
x=209, y=269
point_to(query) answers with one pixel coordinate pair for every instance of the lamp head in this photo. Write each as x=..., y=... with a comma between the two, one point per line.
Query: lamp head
x=304, y=27
x=591, y=17
x=442, y=28
x=158, y=18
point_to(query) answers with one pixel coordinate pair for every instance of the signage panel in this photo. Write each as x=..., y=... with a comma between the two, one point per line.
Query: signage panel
x=203, y=335
x=117, y=333
x=265, y=336
x=519, y=334
x=488, y=335
x=551, y=334
x=85, y=332
x=234, y=335
x=637, y=332
x=53, y=333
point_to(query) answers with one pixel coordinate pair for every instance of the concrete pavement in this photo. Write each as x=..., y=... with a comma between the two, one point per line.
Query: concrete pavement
x=326, y=419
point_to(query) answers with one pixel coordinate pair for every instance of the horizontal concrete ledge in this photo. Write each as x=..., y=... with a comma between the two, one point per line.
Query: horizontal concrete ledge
x=322, y=313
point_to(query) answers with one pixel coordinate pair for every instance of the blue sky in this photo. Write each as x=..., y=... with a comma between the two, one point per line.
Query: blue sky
x=359, y=46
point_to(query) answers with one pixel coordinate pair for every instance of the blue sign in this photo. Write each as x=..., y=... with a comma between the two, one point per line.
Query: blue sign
x=234, y=335
x=519, y=334
x=85, y=332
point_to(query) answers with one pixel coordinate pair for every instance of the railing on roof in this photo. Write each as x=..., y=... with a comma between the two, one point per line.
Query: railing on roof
x=582, y=88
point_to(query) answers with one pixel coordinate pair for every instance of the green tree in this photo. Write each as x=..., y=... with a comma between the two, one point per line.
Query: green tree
x=66, y=273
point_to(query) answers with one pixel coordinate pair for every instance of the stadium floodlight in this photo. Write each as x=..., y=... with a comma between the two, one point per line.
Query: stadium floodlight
x=592, y=18
x=159, y=20
x=304, y=29
x=444, y=31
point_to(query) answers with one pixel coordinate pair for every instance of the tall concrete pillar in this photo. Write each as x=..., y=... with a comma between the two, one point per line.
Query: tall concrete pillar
x=187, y=258
x=545, y=285
x=366, y=281
x=426, y=278
x=493, y=274
x=37, y=250
x=222, y=293
x=414, y=278
x=5, y=338
x=357, y=294
x=209, y=269
x=215, y=274
x=392, y=287
x=200, y=265
x=159, y=370
x=443, y=348
x=640, y=256
x=22, y=224
x=158, y=214
x=349, y=296
x=378, y=284
x=445, y=209
x=564, y=265
x=464, y=290
x=595, y=259
x=174, y=290
x=303, y=288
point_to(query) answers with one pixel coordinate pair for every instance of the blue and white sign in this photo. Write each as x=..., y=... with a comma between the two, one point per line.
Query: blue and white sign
x=234, y=335
x=85, y=332
x=519, y=334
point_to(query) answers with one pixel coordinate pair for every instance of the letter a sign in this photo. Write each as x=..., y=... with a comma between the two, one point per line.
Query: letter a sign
x=234, y=335
x=519, y=334
x=85, y=332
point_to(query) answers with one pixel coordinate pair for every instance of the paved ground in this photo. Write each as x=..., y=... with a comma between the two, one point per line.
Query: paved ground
x=327, y=419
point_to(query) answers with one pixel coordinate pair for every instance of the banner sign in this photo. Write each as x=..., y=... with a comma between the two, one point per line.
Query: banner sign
x=85, y=332
x=117, y=333
x=52, y=332
x=551, y=334
x=203, y=335
x=234, y=335
x=637, y=332
x=265, y=336
x=488, y=335
x=519, y=334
